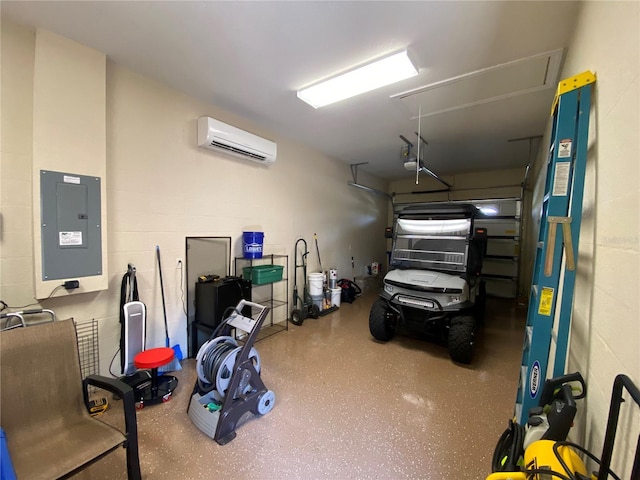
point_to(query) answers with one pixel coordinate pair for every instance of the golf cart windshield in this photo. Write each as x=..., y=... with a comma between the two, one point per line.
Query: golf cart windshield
x=431, y=244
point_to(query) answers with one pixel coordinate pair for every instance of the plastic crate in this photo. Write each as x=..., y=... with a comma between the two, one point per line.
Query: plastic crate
x=263, y=274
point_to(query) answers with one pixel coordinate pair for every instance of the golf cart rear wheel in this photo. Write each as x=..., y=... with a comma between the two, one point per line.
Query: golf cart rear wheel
x=297, y=318
x=382, y=322
x=460, y=341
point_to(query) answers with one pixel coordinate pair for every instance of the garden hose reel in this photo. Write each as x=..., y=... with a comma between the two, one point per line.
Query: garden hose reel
x=214, y=366
x=228, y=383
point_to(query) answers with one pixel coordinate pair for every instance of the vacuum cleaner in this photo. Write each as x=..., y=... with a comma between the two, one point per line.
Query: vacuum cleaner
x=133, y=318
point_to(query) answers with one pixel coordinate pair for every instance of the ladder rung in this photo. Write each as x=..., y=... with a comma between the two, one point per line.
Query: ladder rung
x=540, y=244
x=523, y=377
x=518, y=410
x=534, y=290
x=529, y=336
x=546, y=197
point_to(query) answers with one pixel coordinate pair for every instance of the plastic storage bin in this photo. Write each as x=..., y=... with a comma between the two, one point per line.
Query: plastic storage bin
x=263, y=274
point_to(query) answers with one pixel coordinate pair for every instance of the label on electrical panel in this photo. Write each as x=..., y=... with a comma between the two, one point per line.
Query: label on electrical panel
x=561, y=179
x=546, y=301
x=69, y=238
x=70, y=179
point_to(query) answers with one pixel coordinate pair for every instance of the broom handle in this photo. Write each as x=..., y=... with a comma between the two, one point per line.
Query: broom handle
x=315, y=237
x=164, y=308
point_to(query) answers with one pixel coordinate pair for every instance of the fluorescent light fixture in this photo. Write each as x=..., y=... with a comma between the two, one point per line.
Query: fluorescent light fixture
x=363, y=79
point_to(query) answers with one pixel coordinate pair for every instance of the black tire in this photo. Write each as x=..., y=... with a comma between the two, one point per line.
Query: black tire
x=382, y=323
x=297, y=318
x=461, y=333
x=314, y=311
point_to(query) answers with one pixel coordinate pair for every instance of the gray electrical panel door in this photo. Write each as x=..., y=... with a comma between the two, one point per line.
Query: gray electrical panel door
x=71, y=225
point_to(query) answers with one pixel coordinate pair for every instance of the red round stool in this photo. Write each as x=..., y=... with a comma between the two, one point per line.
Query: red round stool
x=161, y=387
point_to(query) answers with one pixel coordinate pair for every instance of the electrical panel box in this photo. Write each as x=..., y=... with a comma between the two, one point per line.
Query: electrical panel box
x=71, y=225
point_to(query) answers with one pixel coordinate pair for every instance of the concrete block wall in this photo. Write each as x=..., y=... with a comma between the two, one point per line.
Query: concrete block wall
x=605, y=334
x=162, y=188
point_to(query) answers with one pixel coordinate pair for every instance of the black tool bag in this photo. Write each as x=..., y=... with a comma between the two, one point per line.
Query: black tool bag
x=350, y=290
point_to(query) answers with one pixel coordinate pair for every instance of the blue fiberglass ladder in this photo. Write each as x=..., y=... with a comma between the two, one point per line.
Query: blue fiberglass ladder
x=554, y=274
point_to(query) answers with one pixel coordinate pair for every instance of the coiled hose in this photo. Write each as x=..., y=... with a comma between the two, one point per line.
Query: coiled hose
x=509, y=449
x=215, y=362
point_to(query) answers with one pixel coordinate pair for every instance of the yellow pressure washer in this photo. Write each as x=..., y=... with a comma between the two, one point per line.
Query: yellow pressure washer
x=546, y=458
x=549, y=459
x=551, y=420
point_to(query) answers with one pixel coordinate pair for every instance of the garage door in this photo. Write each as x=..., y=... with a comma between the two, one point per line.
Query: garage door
x=501, y=265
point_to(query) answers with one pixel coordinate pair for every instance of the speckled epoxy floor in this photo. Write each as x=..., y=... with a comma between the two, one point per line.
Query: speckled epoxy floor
x=347, y=407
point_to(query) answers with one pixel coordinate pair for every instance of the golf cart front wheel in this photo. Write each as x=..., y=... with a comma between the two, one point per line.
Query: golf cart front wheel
x=297, y=318
x=382, y=322
x=461, y=333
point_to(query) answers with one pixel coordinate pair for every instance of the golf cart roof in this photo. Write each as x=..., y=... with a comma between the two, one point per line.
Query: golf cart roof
x=438, y=210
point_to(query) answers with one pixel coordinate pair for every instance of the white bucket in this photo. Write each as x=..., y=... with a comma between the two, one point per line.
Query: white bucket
x=335, y=296
x=318, y=301
x=315, y=284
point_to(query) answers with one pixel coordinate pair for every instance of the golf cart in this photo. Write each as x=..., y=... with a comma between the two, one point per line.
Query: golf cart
x=434, y=283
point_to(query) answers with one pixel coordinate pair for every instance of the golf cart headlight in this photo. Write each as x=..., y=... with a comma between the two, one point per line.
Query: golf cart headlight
x=454, y=299
x=388, y=288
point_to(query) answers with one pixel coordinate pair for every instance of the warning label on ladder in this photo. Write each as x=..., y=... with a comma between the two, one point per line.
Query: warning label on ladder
x=546, y=300
x=561, y=179
x=564, y=148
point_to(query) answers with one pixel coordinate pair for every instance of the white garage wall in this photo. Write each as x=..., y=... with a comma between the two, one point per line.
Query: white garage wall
x=605, y=336
x=162, y=188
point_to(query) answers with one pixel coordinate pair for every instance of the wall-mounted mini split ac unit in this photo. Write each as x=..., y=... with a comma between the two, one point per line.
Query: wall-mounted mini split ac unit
x=216, y=135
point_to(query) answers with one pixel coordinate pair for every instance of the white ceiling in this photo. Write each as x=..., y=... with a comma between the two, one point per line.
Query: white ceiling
x=249, y=58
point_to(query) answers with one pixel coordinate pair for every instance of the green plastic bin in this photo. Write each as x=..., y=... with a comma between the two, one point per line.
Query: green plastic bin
x=263, y=274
